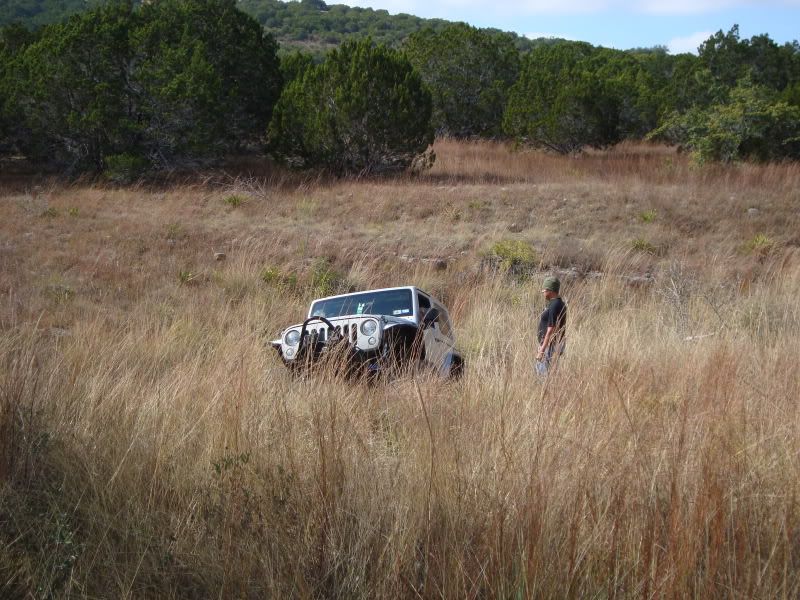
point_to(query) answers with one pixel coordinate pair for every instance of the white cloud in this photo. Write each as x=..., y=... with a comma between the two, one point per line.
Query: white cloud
x=688, y=43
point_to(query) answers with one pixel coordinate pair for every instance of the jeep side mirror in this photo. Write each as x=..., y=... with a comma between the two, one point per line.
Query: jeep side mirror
x=430, y=317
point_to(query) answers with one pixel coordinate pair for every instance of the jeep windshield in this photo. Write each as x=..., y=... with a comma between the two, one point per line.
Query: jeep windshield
x=394, y=303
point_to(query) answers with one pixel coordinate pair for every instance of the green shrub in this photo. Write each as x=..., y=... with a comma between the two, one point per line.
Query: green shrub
x=325, y=279
x=469, y=72
x=235, y=200
x=60, y=293
x=648, y=216
x=364, y=110
x=478, y=205
x=760, y=244
x=186, y=276
x=175, y=231
x=274, y=277
x=751, y=124
x=571, y=95
x=513, y=256
x=642, y=245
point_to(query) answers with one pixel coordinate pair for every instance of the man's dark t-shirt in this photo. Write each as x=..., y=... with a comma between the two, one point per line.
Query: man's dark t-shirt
x=555, y=315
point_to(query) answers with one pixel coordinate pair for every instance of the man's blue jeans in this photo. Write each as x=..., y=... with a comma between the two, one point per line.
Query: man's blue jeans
x=551, y=355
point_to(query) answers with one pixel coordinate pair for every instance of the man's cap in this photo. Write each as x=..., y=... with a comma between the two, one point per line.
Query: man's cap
x=551, y=284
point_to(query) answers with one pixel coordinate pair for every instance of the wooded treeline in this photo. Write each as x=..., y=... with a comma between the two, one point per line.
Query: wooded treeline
x=124, y=89
x=41, y=12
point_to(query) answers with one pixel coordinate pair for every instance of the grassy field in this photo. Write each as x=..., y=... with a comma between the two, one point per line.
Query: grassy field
x=152, y=447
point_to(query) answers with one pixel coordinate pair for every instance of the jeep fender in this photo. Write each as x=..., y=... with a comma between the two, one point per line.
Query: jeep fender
x=404, y=341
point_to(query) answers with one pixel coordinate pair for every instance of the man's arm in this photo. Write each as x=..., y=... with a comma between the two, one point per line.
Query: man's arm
x=545, y=342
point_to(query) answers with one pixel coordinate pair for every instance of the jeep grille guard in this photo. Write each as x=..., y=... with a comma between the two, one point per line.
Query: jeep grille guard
x=331, y=332
x=314, y=340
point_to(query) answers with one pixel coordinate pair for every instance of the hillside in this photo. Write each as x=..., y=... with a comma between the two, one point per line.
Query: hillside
x=309, y=24
x=35, y=13
x=314, y=25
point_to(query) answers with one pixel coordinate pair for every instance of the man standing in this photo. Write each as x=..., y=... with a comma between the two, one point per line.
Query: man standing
x=552, y=327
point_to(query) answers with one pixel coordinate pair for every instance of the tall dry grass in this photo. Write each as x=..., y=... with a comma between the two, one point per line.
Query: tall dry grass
x=152, y=447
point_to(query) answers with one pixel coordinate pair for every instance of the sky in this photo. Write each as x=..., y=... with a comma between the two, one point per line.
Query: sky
x=681, y=25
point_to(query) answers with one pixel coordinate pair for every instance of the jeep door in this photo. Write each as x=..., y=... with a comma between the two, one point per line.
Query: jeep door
x=436, y=338
x=445, y=339
x=427, y=324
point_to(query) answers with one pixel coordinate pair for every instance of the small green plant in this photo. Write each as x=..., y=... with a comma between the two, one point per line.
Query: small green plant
x=513, y=256
x=230, y=462
x=760, y=244
x=274, y=277
x=477, y=204
x=60, y=293
x=186, y=276
x=642, y=245
x=325, y=280
x=63, y=551
x=648, y=216
x=235, y=200
x=49, y=213
x=73, y=211
x=174, y=231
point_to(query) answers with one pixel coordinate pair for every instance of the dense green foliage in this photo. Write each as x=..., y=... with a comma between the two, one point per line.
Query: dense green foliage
x=364, y=110
x=70, y=86
x=124, y=87
x=211, y=71
x=172, y=83
x=741, y=100
x=294, y=64
x=751, y=124
x=572, y=95
x=734, y=100
x=469, y=73
x=13, y=39
x=729, y=58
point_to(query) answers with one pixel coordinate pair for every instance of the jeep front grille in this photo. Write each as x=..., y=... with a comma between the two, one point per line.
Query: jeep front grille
x=346, y=331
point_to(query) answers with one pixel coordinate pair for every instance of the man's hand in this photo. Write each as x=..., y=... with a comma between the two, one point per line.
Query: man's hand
x=545, y=342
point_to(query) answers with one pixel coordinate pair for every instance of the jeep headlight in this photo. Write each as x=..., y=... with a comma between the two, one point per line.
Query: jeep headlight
x=369, y=327
x=292, y=338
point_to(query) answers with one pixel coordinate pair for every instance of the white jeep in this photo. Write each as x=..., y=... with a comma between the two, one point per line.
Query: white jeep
x=376, y=331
